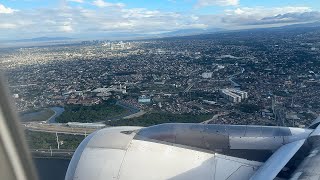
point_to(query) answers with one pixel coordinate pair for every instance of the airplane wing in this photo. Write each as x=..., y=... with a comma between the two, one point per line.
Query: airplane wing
x=309, y=168
x=196, y=151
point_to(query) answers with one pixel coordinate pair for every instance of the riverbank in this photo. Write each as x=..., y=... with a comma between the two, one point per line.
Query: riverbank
x=39, y=115
x=52, y=153
x=51, y=168
x=47, y=114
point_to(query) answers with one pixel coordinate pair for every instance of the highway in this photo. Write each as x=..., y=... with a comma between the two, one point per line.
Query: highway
x=188, y=88
x=234, y=84
x=54, y=153
x=59, y=132
x=214, y=117
x=56, y=127
x=132, y=111
x=23, y=85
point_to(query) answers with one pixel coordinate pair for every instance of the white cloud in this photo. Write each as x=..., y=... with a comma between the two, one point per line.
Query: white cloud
x=7, y=26
x=111, y=18
x=101, y=4
x=291, y=9
x=6, y=10
x=86, y=22
x=263, y=12
x=203, y=3
x=66, y=28
x=77, y=1
x=261, y=15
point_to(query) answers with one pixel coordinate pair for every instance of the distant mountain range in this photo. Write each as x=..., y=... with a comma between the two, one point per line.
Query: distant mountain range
x=176, y=33
x=44, y=39
x=186, y=32
x=313, y=24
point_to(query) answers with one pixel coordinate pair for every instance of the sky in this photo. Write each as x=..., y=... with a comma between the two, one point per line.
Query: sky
x=21, y=19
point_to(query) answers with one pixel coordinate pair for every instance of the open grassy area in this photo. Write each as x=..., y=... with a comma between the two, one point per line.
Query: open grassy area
x=154, y=118
x=40, y=115
x=43, y=140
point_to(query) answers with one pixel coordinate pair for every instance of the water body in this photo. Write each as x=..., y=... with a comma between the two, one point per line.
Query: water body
x=58, y=111
x=30, y=115
x=51, y=169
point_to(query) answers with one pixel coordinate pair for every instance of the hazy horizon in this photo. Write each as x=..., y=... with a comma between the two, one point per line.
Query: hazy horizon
x=91, y=19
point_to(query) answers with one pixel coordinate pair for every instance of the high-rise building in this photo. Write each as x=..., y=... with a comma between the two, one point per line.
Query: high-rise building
x=234, y=95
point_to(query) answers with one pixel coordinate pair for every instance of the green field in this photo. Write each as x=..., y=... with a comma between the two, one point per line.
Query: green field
x=43, y=140
x=159, y=118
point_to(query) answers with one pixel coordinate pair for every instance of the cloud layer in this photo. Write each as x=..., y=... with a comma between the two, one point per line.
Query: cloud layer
x=203, y=3
x=6, y=10
x=104, y=18
x=102, y=4
x=260, y=15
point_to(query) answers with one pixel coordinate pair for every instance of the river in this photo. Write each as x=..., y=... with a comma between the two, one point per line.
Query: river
x=234, y=84
x=58, y=111
x=30, y=115
x=51, y=169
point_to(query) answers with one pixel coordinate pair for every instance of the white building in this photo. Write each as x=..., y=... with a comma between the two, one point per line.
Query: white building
x=243, y=94
x=207, y=75
x=234, y=95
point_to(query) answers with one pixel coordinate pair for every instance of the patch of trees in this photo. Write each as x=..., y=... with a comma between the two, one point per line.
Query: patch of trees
x=281, y=93
x=249, y=108
x=87, y=114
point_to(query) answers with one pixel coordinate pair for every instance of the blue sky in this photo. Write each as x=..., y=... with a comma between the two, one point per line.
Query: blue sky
x=88, y=18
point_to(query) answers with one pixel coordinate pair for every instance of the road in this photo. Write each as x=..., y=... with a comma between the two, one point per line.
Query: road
x=138, y=114
x=132, y=111
x=188, y=88
x=66, y=153
x=234, y=84
x=23, y=85
x=60, y=132
x=214, y=117
x=53, y=128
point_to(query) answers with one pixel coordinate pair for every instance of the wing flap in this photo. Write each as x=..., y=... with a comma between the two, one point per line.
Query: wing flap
x=277, y=161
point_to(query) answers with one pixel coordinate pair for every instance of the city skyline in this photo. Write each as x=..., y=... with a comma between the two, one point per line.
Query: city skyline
x=101, y=18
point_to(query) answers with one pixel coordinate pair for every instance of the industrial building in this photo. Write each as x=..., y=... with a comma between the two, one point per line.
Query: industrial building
x=234, y=95
x=144, y=99
x=86, y=125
